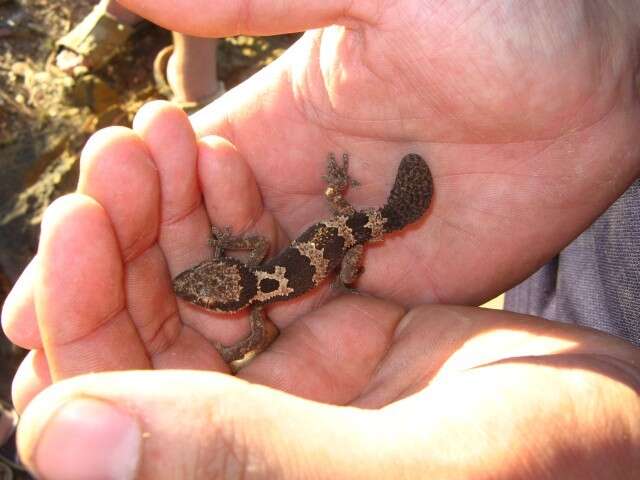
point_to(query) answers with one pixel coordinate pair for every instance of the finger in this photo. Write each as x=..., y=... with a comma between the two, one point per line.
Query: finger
x=115, y=425
x=18, y=312
x=184, y=226
x=184, y=229
x=223, y=423
x=233, y=18
x=331, y=353
x=233, y=198
x=118, y=171
x=79, y=294
x=31, y=378
x=115, y=170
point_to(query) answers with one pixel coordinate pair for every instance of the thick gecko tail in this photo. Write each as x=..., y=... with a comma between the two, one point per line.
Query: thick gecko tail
x=411, y=193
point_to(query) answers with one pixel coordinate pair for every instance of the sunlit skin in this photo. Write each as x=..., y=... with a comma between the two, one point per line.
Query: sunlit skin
x=528, y=114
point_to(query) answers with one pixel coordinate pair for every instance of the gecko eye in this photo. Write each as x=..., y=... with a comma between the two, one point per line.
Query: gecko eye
x=213, y=284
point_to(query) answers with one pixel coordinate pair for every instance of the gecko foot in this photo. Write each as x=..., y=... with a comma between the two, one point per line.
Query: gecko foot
x=222, y=239
x=338, y=180
x=350, y=270
x=263, y=333
x=219, y=239
x=337, y=176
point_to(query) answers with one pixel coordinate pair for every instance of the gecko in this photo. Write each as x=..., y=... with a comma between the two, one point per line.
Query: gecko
x=226, y=284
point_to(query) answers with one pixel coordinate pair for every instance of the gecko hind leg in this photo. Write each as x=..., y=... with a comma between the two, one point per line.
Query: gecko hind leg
x=338, y=180
x=263, y=333
x=222, y=240
x=350, y=269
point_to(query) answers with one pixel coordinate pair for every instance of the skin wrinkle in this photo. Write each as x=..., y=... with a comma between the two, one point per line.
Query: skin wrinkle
x=146, y=240
x=233, y=462
x=202, y=462
x=606, y=60
x=318, y=117
x=250, y=225
x=472, y=14
x=243, y=19
x=429, y=279
x=95, y=328
x=381, y=358
x=175, y=219
x=311, y=344
x=258, y=214
x=579, y=106
x=410, y=389
x=253, y=223
x=173, y=318
x=138, y=246
x=353, y=380
x=310, y=108
x=326, y=120
x=519, y=100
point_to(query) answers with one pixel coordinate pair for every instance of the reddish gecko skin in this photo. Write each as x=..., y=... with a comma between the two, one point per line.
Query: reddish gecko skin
x=225, y=284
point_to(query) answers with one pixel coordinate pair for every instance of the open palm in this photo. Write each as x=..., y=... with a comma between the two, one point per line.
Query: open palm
x=526, y=112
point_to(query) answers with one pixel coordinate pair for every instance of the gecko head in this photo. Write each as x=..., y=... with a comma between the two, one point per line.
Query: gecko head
x=221, y=285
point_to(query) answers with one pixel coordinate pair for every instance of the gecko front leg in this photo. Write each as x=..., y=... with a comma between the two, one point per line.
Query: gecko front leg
x=222, y=239
x=338, y=180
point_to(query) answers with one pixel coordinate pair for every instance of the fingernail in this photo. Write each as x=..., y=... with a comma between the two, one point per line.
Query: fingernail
x=89, y=439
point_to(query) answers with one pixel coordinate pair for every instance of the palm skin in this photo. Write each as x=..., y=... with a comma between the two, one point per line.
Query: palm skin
x=521, y=112
x=520, y=109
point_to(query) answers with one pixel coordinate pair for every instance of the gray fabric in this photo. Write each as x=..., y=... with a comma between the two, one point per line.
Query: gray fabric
x=595, y=281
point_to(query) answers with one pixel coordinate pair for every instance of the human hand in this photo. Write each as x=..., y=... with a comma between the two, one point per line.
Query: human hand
x=434, y=381
x=460, y=393
x=479, y=236
x=101, y=283
x=526, y=112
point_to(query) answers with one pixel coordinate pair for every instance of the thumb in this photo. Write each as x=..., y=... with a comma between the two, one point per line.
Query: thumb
x=193, y=424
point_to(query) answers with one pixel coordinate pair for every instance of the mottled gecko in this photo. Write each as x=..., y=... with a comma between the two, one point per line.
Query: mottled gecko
x=225, y=284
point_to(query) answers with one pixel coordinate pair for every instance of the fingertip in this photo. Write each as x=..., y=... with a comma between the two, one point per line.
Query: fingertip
x=148, y=114
x=19, y=320
x=31, y=378
x=215, y=142
x=234, y=198
x=101, y=441
x=108, y=138
x=66, y=207
x=117, y=171
x=171, y=142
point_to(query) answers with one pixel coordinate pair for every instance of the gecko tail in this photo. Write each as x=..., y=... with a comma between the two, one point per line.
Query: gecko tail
x=411, y=193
